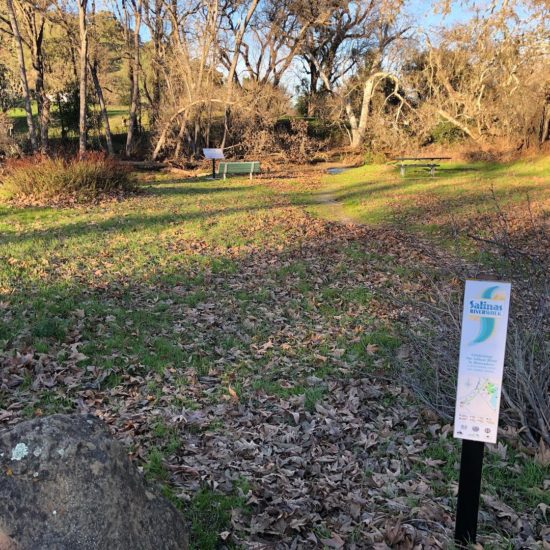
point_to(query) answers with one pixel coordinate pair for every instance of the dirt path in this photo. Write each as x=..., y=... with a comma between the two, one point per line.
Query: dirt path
x=335, y=208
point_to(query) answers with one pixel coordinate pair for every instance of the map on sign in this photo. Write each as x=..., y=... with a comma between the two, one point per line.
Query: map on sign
x=482, y=346
x=481, y=395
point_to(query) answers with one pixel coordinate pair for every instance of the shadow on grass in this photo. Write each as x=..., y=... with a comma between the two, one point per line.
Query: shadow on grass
x=124, y=225
x=167, y=188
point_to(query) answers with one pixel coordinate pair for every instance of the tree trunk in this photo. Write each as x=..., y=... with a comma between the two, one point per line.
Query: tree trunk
x=545, y=126
x=132, y=122
x=36, y=33
x=61, y=118
x=157, y=61
x=361, y=130
x=354, y=126
x=311, y=97
x=43, y=103
x=45, y=123
x=103, y=108
x=181, y=134
x=23, y=74
x=82, y=5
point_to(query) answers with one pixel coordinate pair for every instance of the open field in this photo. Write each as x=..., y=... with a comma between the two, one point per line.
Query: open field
x=376, y=194
x=244, y=344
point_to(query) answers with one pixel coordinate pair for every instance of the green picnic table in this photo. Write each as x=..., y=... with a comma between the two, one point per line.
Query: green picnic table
x=419, y=162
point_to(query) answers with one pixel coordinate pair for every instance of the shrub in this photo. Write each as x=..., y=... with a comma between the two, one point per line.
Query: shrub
x=45, y=180
x=446, y=133
x=513, y=246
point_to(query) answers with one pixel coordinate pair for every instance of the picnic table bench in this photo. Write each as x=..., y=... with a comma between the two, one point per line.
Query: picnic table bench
x=430, y=162
x=250, y=168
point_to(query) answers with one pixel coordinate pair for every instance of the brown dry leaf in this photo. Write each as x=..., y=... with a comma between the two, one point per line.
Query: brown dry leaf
x=334, y=542
x=232, y=393
x=372, y=348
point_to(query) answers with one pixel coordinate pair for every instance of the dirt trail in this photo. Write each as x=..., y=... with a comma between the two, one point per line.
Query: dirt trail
x=336, y=209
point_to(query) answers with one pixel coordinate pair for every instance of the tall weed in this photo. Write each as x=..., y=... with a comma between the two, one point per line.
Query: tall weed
x=45, y=180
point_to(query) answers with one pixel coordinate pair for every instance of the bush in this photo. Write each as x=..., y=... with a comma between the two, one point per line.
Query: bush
x=44, y=180
x=513, y=246
x=446, y=133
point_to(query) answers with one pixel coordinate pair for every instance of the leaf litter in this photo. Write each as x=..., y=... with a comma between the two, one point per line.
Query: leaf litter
x=290, y=405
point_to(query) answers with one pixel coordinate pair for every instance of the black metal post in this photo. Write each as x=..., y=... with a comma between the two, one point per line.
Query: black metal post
x=469, y=489
x=214, y=169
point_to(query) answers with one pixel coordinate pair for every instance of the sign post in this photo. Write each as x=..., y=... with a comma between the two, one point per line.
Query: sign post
x=213, y=155
x=479, y=386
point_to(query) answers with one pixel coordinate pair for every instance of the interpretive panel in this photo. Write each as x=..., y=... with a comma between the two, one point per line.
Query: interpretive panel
x=481, y=363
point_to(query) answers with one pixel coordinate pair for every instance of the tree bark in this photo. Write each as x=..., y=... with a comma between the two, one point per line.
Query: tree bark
x=44, y=118
x=358, y=135
x=82, y=5
x=133, y=118
x=103, y=108
x=545, y=126
x=35, y=31
x=23, y=74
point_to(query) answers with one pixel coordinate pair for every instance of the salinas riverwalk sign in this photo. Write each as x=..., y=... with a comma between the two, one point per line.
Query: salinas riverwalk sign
x=479, y=387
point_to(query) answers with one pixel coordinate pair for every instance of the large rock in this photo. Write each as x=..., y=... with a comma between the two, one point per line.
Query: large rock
x=66, y=484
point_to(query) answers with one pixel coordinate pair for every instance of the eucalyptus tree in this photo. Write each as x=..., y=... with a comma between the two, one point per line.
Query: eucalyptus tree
x=33, y=16
x=83, y=87
x=354, y=42
x=14, y=26
x=134, y=13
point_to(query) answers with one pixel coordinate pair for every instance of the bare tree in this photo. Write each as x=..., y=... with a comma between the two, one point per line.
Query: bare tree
x=358, y=35
x=136, y=68
x=83, y=26
x=23, y=73
x=93, y=66
x=238, y=31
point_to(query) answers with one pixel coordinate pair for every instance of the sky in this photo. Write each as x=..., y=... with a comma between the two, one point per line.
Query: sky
x=423, y=12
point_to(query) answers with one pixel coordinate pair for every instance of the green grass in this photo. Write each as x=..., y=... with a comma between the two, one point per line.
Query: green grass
x=515, y=480
x=377, y=194
x=209, y=514
x=116, y=113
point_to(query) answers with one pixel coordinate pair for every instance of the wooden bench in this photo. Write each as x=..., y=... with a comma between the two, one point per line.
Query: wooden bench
x=228, y=168
x=414, y=163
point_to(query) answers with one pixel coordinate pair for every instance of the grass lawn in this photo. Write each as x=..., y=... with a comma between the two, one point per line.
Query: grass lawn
x=377, y=194
x=244, y=348
x=116, y=113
